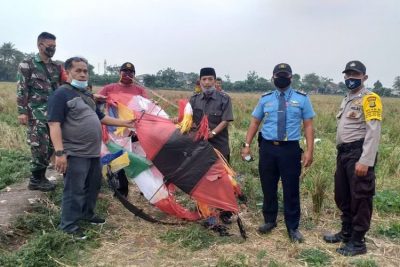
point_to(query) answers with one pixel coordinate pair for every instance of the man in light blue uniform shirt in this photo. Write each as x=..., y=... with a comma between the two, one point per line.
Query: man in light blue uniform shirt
x=282, y=113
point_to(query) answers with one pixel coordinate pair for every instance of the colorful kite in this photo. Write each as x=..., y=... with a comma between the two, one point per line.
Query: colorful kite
x=164, y=157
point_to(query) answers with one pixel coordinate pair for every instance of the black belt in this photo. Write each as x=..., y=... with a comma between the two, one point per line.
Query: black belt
x=346, y=147
x=280, y=143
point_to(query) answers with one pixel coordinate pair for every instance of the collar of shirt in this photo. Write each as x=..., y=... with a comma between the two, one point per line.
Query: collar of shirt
x=37, y=58
x=350, y=96
x=288, y=92
x=213, y=95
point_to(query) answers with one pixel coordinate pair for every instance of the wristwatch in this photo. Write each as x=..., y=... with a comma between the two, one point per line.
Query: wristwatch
x=246, y=144
x=59, y=153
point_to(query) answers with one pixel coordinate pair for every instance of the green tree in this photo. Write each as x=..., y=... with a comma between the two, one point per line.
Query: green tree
x=9, y=60
x=150, y=80
x=380, y=90
x=378, y=85
x=168, y=78
x=113, y=70
x=311, y=82
x=396, y=85
x=342, y=88
x=296, y=81
x=326, y=85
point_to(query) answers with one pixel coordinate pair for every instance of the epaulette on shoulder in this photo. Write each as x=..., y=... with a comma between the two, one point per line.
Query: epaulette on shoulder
x=224, y=94
x=267, y=93
x=301, y=92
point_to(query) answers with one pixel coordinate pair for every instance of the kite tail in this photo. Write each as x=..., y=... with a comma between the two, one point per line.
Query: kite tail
x=181, y=108
x=185, y=117
x=241, y=227
x=231, y=173
x=202, y=132
x=228, y=168
x=104, y=134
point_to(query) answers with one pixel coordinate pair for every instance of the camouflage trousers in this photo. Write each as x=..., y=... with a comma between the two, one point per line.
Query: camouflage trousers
x=38, y=138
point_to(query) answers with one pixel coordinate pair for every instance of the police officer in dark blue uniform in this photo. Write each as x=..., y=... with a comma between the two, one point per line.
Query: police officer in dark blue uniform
x=282, y=111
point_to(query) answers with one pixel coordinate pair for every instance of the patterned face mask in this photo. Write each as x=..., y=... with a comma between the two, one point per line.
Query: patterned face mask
x=352, y=83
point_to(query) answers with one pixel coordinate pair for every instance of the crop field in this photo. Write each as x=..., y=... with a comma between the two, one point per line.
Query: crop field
x=125, y=240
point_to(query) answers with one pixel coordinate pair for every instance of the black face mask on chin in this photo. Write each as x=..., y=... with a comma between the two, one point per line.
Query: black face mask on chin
x=282, y=82
x=49, y=51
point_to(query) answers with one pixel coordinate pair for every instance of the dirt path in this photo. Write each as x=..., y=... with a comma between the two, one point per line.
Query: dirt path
x=17, y=198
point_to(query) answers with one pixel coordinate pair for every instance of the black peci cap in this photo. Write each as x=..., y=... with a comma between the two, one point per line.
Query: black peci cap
x=207, y=72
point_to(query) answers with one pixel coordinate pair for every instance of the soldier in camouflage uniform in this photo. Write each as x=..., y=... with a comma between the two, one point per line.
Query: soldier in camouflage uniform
x=37, y=78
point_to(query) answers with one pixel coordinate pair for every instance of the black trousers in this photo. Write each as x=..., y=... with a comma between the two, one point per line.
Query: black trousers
x=82, y=182
x=353, y=194
x=281, y=161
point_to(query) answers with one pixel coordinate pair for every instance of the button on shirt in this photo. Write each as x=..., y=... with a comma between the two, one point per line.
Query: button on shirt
x=217, y=107
x=298, y=108
x=353, y=123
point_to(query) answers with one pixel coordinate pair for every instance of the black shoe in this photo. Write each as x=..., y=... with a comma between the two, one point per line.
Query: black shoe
x=226, y=217
x=295, y=236
x=338, y=237
x=266, y=227
x=97, y=220
x=353, y=248
x=38, y=182
x=78, y=234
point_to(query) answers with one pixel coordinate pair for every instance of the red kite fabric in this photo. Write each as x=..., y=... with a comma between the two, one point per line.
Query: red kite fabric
x=193, y=166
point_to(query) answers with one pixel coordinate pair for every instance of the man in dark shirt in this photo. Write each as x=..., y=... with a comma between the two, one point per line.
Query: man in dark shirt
x=75, y=130
x=217, y=106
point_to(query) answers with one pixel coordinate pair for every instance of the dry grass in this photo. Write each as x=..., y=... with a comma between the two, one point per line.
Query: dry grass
x=134, y=242
x=138, y=242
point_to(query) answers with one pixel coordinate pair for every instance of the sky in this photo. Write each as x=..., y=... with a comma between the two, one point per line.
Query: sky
x=233, y=36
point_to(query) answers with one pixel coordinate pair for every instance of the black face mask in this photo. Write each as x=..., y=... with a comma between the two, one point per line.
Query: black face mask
x=282, y=82
x=50, y=51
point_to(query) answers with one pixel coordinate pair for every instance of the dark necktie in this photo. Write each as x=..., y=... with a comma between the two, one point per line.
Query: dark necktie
x=282, y=117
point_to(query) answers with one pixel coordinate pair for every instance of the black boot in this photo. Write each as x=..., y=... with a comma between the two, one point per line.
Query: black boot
x=38, y=181
x=356, y=246
x=34, y=180
x=341, y=236
x=46, y=182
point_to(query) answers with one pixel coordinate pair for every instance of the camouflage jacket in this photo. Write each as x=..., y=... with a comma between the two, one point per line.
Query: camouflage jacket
x=34, y=87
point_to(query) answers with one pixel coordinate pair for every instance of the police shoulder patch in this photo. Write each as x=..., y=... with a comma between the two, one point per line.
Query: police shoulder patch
x=267, y=93
x=372, y=107
x=301, y=92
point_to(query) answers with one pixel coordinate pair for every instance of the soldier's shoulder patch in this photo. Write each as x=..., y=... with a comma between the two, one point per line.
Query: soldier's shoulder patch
x=301, y=92
x=267, y=93
x=372, y=107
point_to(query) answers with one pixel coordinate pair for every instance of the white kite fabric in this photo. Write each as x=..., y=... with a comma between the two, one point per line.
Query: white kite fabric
x=138, y=169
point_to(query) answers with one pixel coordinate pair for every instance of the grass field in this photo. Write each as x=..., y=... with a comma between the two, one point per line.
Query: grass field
x=129, y=241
